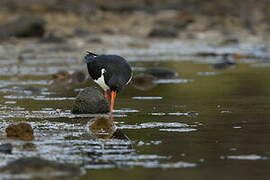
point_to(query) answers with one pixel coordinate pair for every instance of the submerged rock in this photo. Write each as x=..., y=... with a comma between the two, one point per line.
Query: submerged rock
x=90, y=100
x=21, y=131
x=6, y=148
x=25, y=26
x=162, y=72
x=144, y=81
x=38, y=168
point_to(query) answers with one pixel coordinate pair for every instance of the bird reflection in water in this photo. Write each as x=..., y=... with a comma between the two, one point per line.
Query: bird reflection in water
x=104, y=128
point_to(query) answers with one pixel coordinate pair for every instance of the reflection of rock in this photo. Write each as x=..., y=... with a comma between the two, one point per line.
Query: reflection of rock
x=161, y=72
x=25, y=26
x=101, y=127
x=39, y=168
x=144, y=82
x=228, y=61
x=21, y=131
x=68, y=78
x=90, y=100
x=6, y=148
x=118, y=134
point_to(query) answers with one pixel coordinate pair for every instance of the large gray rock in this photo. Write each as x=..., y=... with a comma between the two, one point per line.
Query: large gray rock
x=90, y=101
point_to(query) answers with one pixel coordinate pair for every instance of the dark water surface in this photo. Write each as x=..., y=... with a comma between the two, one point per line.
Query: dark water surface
x=204, y=125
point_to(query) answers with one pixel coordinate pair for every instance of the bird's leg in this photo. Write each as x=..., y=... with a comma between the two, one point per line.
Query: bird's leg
x=113, y=96
x=107, y=96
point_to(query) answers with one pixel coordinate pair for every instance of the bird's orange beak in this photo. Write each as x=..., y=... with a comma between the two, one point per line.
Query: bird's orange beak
x=113, y=96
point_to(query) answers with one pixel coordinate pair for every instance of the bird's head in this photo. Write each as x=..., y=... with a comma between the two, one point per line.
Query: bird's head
x=89, y=57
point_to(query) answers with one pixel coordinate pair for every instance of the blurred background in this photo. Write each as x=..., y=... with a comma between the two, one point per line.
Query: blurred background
x=85, y=22
x=106, y=26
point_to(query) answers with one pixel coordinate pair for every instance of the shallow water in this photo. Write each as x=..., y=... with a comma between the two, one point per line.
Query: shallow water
x=206, y=124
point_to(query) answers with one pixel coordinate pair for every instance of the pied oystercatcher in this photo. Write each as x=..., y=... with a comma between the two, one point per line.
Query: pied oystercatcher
x=110, y=72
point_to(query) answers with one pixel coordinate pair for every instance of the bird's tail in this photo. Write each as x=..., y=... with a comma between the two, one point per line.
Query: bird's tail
x=89, y=57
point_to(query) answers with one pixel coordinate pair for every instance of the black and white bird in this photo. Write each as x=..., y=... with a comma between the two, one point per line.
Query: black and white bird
x=110, y=72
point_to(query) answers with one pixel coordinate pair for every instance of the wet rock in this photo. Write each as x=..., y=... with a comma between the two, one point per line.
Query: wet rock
x=227, y=62
x=6, y=148
x=93, y=39
x=159, y=32
x=81, y=32
x=59, y=48
x=90, y=100
x=68, y=78
x=60, y=75
x=52, y=38
x=38, y=168
x=144, y=82
x=23, y=27
x=101, y=127
x=207, y=54
x=229, y=41
x=77, y=77
x=21, y=131
x=162, y=72
x=109, y=31
x=174, y=19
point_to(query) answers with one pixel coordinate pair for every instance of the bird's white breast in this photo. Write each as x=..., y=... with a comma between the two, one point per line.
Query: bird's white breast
x=101, y=82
